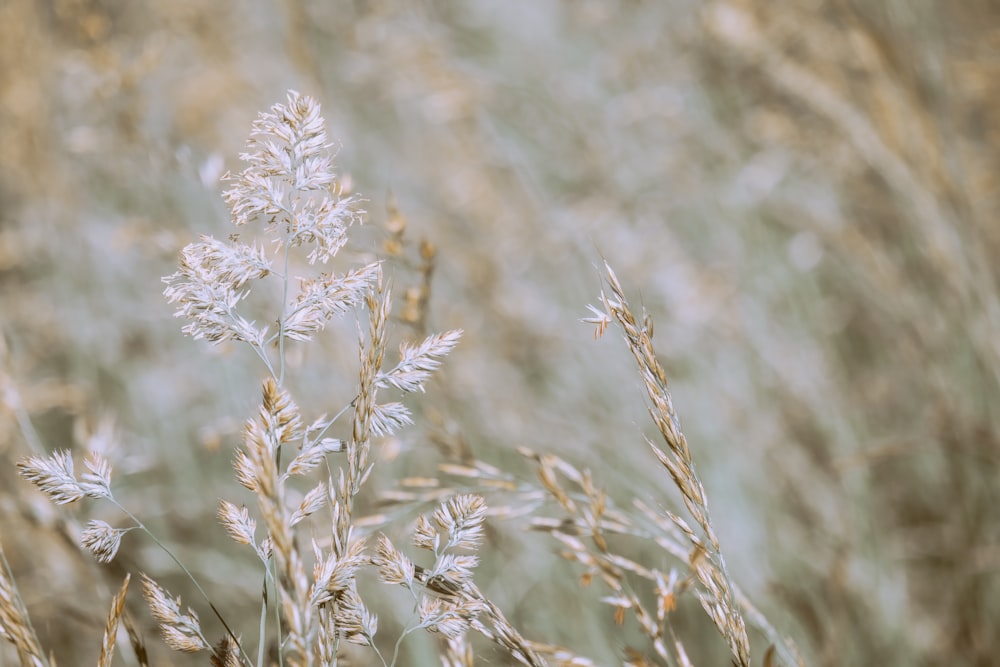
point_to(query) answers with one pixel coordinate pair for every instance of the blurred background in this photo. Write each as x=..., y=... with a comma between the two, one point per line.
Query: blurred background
x=803, y=193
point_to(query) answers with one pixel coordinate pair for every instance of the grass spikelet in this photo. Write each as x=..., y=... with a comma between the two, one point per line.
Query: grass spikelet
x=111, y=627
x=718, y=598
x=180, y=631
x=15, y=625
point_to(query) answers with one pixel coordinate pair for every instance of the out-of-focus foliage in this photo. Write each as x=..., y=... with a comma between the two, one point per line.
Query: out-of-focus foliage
x=803, y=193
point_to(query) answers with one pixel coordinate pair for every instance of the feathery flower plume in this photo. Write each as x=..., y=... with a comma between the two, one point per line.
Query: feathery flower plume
x=102, y=540
x=289, y=181
x=418, y=362
x=288, y=186
x=181, y=632
x=55, y=477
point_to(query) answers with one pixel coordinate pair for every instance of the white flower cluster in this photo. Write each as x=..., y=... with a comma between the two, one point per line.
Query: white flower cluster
x=289, y=185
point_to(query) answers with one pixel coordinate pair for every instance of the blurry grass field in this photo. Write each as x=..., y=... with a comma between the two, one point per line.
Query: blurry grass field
x=804, y=195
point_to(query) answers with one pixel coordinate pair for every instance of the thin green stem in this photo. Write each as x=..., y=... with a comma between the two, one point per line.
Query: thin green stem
x=408, y=630
x=399, y=642
x=322, y=432
x=377, y=652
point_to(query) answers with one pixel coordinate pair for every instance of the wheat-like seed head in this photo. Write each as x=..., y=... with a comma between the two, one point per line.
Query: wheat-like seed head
x=717, y=597
x=393, y=566
x=226, y=653
x=55, y=477
x=15, y=626
x=181, y=632
x=335, y=575
x=102, y=540
x=111, y=628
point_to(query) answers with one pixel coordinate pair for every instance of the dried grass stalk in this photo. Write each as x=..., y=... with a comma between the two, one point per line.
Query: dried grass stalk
x=15, y=625
x=181, y=632
x=111, y=627
x=705, y=558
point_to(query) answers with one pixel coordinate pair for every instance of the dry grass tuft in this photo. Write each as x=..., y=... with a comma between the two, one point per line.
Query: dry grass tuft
x=805, y=194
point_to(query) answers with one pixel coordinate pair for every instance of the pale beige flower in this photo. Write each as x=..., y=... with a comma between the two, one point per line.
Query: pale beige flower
x=418, y=362
x=312, y=502
x=393, y=566
x=55, y=477
x=237, y=522
x=102, y=540
x=321, y=298
x=181, y=632
x=289, y=182
x=209, y=285
x=334, y=575
x=387, y=418
x=462, y=518
x=358, y=624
